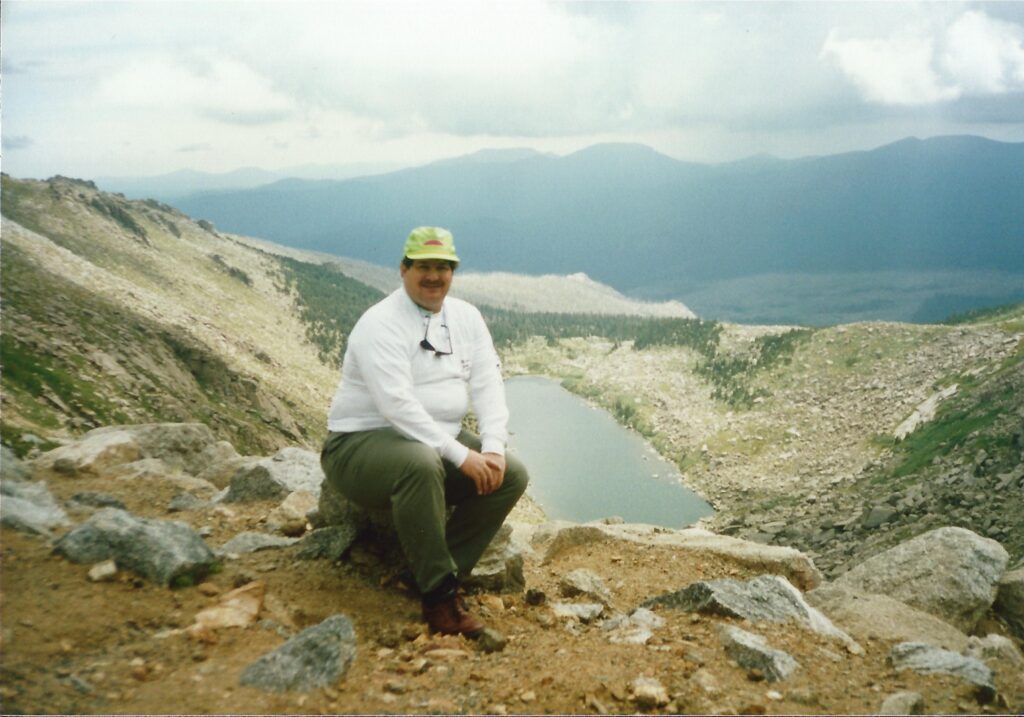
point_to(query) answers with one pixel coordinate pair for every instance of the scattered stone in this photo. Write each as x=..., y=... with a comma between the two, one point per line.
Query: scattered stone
x=163, y=551
x=753, y=653
x=93, y=454
x=803, y=696
x=500, y=568
x=583, y=582
x=328, y=543
x=238, y=608
x=29, y=507
x=527, y=696
x=879, y=515
x=902, y=703
x=584, y=612
x=950, y=572
x=249, y=542
x=11, y=467
x=290, y=517
x=996, y=648
x=208, y=589
x=765, y=598
x=926, y=659
x=490, y=640
x=184, y=502
x=290, y=469
x=637, y=628
x=93, y=499
x=318, y=656
x=103, y=572
x=535, y=597
x=648, y=693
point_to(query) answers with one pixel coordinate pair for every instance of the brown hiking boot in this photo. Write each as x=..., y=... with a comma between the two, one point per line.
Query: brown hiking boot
x=449, y=617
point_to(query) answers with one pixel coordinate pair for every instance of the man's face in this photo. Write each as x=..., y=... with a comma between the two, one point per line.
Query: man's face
x=427, y=282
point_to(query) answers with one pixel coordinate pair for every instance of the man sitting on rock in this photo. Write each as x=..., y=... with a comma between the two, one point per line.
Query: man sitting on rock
x=414, y=363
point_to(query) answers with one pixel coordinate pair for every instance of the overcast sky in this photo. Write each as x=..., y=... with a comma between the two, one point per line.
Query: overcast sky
x=141, y=88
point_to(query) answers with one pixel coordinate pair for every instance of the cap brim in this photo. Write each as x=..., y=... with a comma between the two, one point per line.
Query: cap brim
x=431, y=255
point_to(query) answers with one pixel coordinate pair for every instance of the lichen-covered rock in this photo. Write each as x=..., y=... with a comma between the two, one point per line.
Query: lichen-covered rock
x=765, y=598
x=328, y=543
x=754, y=653
x=164, y=551
x=950, y=572
x=317, y=657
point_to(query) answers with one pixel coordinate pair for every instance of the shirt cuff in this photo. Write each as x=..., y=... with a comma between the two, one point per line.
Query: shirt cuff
x=492, y=445
x=455, y=452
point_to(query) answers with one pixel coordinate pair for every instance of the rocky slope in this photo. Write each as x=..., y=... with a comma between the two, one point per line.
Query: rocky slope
x=151, y=569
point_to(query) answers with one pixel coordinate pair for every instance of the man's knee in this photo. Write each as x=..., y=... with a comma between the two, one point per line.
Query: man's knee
x=420, y=464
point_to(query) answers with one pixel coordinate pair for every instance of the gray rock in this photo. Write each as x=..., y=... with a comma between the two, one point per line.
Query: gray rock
x=995, y=648
x=183, y=446
x=867, y=615
x=584, y=612
x=92, y=499
x=1009, y=602
x=327, y=543
x=29, y=507
x=317, y=657
x=754, y=653
x=490, y=640
x=289, y=470
x=902, y=703
x=500, y=568
x=163, y=551
x=765, y=598
x=186, y=501
x=583, y=582
x=11, y=467
x=250, y=542
x=879, y=515
x=951, y=573
x=926, y=659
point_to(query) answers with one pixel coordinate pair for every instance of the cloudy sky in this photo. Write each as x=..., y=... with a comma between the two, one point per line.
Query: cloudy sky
x=147, y=87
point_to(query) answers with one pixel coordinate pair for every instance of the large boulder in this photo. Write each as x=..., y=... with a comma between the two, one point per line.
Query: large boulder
x=290, y=469
x=29, y=507
x=500, y=568
x=788, y=562
x=951, y=573
x=867, y=615
x=164, y=551
x=189, y=447
x=317, y=657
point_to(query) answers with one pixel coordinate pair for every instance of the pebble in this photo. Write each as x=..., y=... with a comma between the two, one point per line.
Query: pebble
x=208, y=589
x=527, y=696
x=103, y=572
x=490, y=640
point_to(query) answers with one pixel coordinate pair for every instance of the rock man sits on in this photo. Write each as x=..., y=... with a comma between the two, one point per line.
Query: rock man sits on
x=414, y=364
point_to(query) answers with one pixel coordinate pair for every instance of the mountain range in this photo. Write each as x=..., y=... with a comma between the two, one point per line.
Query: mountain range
x=641, y=221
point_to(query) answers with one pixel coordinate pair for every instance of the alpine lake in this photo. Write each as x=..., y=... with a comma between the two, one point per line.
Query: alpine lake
x=585, y=466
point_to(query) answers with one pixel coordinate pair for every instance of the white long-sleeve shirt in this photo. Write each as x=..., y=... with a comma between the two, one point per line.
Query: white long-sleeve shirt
x=388, y=379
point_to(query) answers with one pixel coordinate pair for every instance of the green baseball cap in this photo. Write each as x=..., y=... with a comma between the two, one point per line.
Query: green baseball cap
x=430, y=243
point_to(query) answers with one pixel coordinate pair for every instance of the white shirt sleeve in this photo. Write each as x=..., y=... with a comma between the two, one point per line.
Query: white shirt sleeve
x=382, y=353
x=487, y=390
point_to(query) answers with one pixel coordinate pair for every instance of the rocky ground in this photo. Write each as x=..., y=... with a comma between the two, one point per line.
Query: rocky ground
x=568, y=635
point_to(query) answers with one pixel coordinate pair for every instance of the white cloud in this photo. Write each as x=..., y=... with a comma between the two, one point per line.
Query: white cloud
x=217, y=88
x=970, y=55
x=891, y=71
x=985, y=56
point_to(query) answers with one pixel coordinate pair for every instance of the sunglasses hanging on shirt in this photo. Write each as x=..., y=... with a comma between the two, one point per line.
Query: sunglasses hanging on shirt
x=425, y=343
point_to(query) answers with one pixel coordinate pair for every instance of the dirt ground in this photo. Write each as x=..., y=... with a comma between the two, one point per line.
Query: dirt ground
x=70, y=645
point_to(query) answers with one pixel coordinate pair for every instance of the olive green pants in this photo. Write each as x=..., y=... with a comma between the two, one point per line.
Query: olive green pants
x=381, y=470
